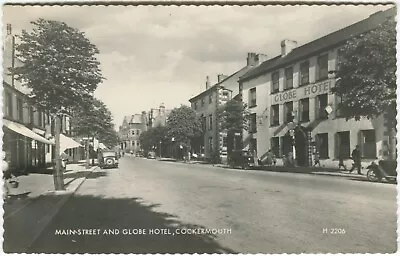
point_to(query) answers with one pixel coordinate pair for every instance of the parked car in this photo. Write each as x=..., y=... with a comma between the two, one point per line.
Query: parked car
x=108, y=159
x=151, y=155
x=241, y=158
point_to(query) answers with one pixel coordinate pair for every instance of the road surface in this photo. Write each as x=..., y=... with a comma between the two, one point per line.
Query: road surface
x=149, y=206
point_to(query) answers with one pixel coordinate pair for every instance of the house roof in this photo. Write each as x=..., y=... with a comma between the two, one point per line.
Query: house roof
x=136, y=119
x=241, y=71
x=321, y=44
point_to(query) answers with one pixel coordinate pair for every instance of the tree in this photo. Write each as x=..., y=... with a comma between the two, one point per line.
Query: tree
x=183, y=126
x=367, y=77
x=234, y=118
x=93, y=120
x=60, y=67
x=153, y=138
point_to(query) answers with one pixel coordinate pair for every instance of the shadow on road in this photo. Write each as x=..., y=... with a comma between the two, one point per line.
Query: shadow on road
x=119, y=214
x=82, y=174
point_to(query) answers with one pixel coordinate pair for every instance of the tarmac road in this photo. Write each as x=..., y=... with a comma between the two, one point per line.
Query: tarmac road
x=146, y=205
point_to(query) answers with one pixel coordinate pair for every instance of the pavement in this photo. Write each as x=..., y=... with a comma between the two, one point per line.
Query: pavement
x=118, y=211
x=32, y=205
x=306, y=170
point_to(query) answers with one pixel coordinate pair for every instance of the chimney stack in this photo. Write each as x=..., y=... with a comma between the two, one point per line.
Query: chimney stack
x=262, y=58
x=221, y=77
x=9, y=31
x=252, y=59
x=287, y=46
x=207, y=83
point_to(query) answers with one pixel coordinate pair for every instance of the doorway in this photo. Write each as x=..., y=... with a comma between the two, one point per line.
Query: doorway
x=301, y=145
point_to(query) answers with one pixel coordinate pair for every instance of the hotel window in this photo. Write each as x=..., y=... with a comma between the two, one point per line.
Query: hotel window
x=210, y=144
x=338, y=111
x=253, y=123
x=203, y=123
x=20, y=109
x=304, y=110
x=210, y=99
x=275, y=146
x=288, y=111
x=252, y=97
x=322, y=62
x=275, y=82
x=304, y=73
x=210, y=122
x=133, y=132
x=8, y=104
x=40, y=114
x=343, y=145
x=322, y=103
x=137, y=132
x=202, y=102
x=322, y=145
x=138, y=144
x=195, y=106
x=288, y=78
x=274, y=115
x=368, y=144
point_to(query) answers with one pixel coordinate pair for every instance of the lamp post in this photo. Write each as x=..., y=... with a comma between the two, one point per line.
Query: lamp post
x=173, y=146
x=160, y=148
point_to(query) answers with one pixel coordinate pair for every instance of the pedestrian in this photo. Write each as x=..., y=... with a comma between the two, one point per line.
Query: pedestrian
x=356, y=156
x=316, y=159
x=341, y=163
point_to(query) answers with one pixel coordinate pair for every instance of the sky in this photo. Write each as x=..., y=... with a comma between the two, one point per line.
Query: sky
x=162, y=54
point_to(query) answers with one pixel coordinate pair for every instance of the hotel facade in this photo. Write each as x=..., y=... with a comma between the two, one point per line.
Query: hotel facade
x=293, y=109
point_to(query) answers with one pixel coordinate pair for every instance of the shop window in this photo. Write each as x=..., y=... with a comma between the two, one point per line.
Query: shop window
x=343, y=145
x=253, y=123
x=252, y=97
x=322, y=145
x=322, y=103
x=288, y=111
x=322, y=67
x=304, y=73
x=8, y=104
x=275, y=82
x=275, y=146
x=368, y=147
x=274, y=115
x=304, y=110
x=20, y=110
x=288, y=78
x=210, y=122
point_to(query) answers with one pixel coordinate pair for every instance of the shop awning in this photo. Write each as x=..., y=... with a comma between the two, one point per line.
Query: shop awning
x=23, y=130
x=67, y=143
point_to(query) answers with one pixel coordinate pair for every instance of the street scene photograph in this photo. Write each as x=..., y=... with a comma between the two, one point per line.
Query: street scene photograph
x=199, y=129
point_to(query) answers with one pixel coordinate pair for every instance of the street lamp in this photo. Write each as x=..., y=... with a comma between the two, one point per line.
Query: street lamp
x=160, y=148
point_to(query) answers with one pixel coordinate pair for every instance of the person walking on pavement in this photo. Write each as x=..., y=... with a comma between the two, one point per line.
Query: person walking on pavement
x=356, y=156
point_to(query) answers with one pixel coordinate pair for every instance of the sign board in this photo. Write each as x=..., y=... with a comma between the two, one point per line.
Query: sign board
x=302, y=92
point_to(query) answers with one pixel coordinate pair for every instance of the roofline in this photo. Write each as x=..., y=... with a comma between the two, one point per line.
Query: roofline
x=215, y=85
x=263, y=72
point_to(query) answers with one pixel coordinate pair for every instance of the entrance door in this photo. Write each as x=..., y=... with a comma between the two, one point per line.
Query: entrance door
x=301, y=145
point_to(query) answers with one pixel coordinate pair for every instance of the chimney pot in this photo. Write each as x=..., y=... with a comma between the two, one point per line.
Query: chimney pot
x=207, y=83
x=221, y=77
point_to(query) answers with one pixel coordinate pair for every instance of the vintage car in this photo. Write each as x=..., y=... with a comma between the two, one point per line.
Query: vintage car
x=151, y=155
x=241, y=158
x=108, y=159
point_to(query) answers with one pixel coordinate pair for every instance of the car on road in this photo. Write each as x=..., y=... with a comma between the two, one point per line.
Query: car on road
x=108, y=159
x=151, y=155
x=242, y=158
